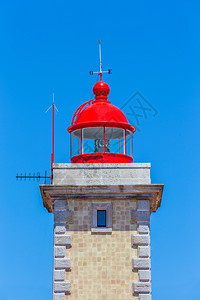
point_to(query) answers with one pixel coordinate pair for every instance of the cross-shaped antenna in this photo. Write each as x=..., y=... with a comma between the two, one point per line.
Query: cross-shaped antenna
x=52, y=106
x=109, y=71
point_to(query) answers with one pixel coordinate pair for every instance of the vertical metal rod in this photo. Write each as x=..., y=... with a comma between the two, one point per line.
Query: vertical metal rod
x=81, y=141
x=52, y=154
x=132, y=145
x=125, y=141
x=100, y=68
x=79, y=147
x=104, y=136
x=71, y=145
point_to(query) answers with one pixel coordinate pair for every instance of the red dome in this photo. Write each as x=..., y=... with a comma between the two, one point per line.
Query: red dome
x=100, y=112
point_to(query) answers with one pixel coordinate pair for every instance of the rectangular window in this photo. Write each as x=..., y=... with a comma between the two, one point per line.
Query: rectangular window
x=101, y=218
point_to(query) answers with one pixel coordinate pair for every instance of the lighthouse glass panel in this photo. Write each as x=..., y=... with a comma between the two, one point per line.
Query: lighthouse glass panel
x=93, y=140
x=129, y=143
x=115, y=137
x=75, y=143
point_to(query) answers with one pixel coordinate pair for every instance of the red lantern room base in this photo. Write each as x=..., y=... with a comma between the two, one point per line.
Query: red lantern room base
x=102, y=158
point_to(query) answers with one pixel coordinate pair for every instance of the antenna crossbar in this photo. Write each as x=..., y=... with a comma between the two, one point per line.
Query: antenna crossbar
x=109, y=71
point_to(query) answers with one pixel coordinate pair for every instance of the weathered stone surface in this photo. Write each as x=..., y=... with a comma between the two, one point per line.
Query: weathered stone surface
x=60, y=251
x=145, y=297
x=141, y=287
x=60, y=227
x=63, y=216
x=102, y=174
x=144, y=251
x=62, y=286
x=143, y=205
x=64, y=239
x=58, y=296
x=60, y=205
x=140, y=216
x=142, y=229
x=141, y=263
x=140, y=239
x=144, y=275
x=59, y=275
x=101, y=230
x=62, y=263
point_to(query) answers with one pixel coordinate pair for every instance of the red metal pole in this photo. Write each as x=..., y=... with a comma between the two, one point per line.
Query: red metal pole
x=104, y=139
x=52, y=154
x=81, y=141
x=125, y=141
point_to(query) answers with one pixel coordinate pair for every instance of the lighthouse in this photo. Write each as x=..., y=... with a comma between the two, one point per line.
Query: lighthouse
x=102, y=202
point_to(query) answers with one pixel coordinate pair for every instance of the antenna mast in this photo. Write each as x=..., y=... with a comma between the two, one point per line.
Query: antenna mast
x=52, y=154
x=38, y=176
x=109, y=71
x=100, y=68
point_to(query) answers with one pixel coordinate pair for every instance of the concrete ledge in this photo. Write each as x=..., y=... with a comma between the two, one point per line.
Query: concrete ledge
x=143, y=251
x=145, y=297
x=140, y=239
x=144, y=275
x=63, y=240
x=101, y=230
x=141, y=263
x=62, y=263
x=153, y=192
x=141, y=287
x=101, y=174
x=62, y=286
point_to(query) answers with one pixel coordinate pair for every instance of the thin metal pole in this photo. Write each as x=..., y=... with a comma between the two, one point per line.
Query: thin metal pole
x=125, y=141
x=100, y=69
x=81, y=140
x=104, y=136
x=52, y=154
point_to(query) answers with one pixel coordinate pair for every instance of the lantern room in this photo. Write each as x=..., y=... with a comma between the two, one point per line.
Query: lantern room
x=100, y=132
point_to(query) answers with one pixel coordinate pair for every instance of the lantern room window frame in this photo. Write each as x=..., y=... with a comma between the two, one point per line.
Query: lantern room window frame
x=80, y=148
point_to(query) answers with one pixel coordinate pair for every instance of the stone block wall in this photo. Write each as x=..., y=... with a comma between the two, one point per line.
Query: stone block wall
x=141, y=241
x=100, y=265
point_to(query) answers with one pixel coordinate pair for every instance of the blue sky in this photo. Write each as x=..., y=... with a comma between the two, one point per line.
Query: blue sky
x=152, y=47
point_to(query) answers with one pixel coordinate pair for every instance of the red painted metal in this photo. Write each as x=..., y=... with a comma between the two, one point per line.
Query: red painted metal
x=100, y=113
x=104, y=139
x=81, y=141
x=78, y=111
x=52, y=154
x=102, y=124
x=125, y=141
x=102, y=158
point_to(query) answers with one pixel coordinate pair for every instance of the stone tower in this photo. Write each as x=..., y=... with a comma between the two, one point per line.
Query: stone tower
x=100, y=263
x=102, y=204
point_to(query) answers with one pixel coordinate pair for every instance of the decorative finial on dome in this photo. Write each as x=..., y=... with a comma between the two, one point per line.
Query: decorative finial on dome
x=101, y=91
